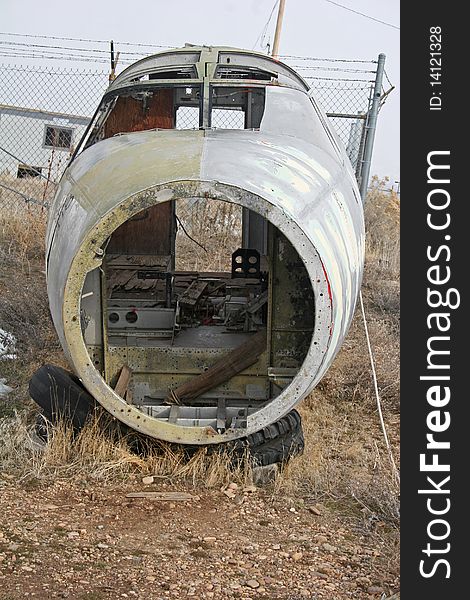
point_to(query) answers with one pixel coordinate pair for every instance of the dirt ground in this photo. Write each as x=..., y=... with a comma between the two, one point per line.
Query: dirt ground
x=71, y=541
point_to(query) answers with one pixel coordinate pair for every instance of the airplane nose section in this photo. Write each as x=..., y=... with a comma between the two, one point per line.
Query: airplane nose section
x=302, y=197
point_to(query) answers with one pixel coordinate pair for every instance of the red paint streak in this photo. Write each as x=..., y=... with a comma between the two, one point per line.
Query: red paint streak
x=330, y=295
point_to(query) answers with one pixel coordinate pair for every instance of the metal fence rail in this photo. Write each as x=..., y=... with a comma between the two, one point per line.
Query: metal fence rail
x=45, y=110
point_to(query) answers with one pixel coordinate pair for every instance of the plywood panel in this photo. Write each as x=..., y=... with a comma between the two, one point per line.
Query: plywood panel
x=130, y=114
x=149, y=232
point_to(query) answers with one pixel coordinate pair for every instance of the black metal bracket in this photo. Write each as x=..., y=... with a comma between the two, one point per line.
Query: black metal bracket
x=246, y=264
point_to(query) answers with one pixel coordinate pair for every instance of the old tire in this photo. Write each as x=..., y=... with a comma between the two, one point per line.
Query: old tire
x=275, y=443
x=61, y=396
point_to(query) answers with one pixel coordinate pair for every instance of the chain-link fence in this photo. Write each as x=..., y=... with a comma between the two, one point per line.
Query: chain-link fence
x=344, y=90
x=44, y=112
x=347, y=105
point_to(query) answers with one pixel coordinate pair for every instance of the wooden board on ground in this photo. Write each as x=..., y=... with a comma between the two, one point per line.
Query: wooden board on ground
x=173, y=496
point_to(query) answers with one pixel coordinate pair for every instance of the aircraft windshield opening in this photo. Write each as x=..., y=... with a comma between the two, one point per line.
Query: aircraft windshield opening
x=146, y=108
x=236, y=107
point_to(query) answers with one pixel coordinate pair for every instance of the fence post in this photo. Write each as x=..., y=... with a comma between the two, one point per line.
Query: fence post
x=371, y=125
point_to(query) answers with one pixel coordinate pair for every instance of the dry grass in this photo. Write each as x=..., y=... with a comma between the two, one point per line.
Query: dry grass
x=216, y=226
x=345, y=457
x=345, y=461
x=24, y=307
x=22, y=234
x=381, y=282
x=95, y=454
x=13, y=191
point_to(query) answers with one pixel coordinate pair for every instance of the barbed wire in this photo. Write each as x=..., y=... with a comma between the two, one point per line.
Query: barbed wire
x=339, y=79
x=50, y=47
x=143, y=45
x=71, y=39
x=322, y=68
x=50, y=70
x=57, y=55
x=71, y=58
x=345, y=60
x=67, y=53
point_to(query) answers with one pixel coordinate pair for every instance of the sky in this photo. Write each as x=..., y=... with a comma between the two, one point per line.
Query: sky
x=316, y=28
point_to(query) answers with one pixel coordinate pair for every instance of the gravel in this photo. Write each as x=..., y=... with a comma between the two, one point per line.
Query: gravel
x=59, y=541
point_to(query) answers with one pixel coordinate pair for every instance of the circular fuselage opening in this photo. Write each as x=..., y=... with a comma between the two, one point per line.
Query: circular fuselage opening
x=201, y=322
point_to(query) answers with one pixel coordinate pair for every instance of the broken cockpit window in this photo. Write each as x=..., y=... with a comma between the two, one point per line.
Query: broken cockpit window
x=236, y=107
x=147, y=108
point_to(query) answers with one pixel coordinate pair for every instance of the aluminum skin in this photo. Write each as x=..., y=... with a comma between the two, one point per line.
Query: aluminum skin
x=292, y=170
